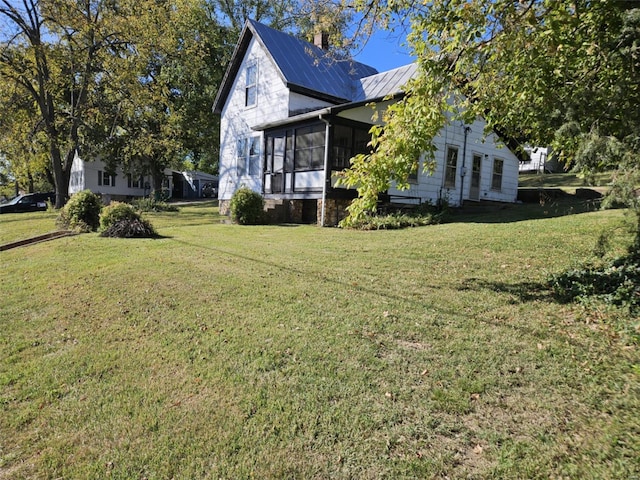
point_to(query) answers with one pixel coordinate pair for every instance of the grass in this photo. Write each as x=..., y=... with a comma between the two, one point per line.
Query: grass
x=566, y=181
x=221, y=351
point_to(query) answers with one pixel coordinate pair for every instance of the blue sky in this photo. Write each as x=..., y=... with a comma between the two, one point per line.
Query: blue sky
x=384, y=51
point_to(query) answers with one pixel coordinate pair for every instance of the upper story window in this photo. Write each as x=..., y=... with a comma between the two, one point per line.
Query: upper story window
x=451, y=167
x=251, y=85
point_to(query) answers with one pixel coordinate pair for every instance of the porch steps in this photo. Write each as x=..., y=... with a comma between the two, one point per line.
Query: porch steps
x=276, y=210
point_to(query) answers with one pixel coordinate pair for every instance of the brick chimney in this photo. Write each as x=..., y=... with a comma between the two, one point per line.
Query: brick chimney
x=321, y=39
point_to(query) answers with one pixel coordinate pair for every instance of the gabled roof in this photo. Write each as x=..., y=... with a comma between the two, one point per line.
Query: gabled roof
x=303, y=67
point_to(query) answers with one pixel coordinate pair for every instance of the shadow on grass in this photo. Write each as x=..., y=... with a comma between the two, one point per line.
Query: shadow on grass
x=524, y=292
x=519, y=212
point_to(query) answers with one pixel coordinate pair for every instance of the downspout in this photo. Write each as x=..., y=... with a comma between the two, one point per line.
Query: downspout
x=326, y=169
x=463, y=170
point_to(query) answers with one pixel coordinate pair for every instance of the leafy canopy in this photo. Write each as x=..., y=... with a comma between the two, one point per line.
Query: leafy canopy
x=540, y=72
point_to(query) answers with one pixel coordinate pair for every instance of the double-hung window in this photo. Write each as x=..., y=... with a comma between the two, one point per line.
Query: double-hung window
x=496, y=178
x=451, y=166
x=104, y=179
x=251, y=85
x=248, y=156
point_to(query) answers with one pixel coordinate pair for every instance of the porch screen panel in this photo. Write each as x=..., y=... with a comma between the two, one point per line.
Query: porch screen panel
x=289, y=152
x=309, y=148
x=342, y=146
x=361, y=139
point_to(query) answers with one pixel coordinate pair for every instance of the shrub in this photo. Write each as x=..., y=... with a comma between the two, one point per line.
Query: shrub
x=616, y=283
x=130, y=228
x=123, y=221
x=82, y=212
x=247, y=207
x=151, y=204
x=115, y=212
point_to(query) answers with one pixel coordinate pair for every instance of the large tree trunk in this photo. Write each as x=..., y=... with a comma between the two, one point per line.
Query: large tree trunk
x=61, y=176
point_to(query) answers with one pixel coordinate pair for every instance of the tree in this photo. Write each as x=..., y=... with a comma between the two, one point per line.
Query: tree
x=52, y=51
x=543, y=72
x=22, y=141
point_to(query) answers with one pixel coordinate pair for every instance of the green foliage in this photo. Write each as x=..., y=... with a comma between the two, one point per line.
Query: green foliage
x=420, y=216
x=151, y=204
x=617, y=283
x=82, y=212
x=576, y=77
x=115, y=212
x=123, y=221
x=247, y=207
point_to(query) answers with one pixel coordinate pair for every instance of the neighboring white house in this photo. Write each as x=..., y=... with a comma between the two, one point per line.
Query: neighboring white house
x=536, y=161
x=292, y=116
x=118, y=185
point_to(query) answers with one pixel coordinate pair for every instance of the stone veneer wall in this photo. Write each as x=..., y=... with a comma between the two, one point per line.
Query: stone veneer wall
x=335, y=210
x=225, y=207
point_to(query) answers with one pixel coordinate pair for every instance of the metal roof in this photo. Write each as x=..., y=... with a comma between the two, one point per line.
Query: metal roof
x=304, y=67
x=307, y=66
x=383, y=84
x=307, y=69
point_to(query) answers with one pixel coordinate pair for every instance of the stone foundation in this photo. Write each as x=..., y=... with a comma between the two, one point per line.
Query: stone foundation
x=300, y=211
x=335, y=211
x=225, y=207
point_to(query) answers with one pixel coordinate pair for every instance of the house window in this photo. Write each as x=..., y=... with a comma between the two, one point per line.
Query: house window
x=496, y=178
x=251, y=85
x=134, y=182
x=104, y=179
x=248, y=156
x=413, y=175
x=254, y=156
x=451, y=167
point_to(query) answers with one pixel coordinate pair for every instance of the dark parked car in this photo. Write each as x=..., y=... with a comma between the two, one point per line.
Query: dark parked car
x=31, y=202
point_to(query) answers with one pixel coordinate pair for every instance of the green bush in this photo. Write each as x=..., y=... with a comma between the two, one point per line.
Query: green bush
x=150, y=204
x=247, y=207
x=116, y=211
x=616, y=283
x=82, y=212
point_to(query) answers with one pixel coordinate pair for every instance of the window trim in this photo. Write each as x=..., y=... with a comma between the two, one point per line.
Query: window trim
x=495, y=175
x=248, y=163
x=450, y=180
x=105, y=179
x=251, y=86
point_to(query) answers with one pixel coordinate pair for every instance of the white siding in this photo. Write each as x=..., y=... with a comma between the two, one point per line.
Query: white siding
x=431, y=187
x=84, y=175
x=237, y=120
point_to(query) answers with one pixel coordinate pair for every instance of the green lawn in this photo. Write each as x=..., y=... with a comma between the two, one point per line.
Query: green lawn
x=569, y=181
x=220, y=351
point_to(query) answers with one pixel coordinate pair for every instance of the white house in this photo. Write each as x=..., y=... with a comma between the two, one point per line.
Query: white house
x=119, y=185
x=292, y=116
